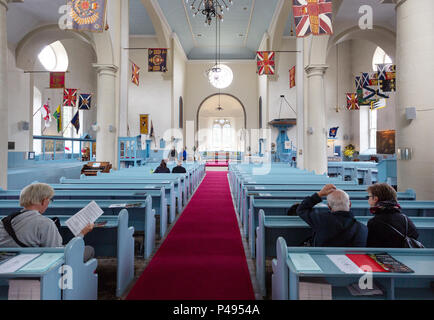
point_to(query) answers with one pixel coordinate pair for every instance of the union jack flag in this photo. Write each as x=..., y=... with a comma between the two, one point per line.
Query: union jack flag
x=265, y=62
x=313, y=17
x=352, y=102
x=135, y=74
x=69, y=97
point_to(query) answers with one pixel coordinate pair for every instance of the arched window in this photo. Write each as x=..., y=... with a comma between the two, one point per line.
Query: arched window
x=54, y=57
x=181, y=113
x=37, y=120
x=227, y=136
x=380, y=57
x=217, y=136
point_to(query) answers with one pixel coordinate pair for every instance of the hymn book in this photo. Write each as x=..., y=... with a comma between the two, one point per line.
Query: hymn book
x=85, y=216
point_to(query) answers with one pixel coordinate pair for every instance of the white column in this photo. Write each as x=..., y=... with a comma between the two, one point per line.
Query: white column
x=106, y=137
x=3, y=97
x=125, y=69
x=299, y=75
x=316, y=120
x=415, y=84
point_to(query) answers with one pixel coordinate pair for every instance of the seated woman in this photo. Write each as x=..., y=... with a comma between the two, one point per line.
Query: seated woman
x=29, y=228
x=162, y=168
x=382, y=199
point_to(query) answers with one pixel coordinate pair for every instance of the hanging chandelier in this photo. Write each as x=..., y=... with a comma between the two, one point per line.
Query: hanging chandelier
x=209, y=8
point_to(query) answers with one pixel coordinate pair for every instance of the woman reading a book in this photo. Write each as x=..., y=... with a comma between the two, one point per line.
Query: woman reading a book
x=29, y=228
x=389, y=226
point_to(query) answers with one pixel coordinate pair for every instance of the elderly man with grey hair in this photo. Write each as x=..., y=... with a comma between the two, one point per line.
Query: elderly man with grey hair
x=29, y=228
x=336, y=228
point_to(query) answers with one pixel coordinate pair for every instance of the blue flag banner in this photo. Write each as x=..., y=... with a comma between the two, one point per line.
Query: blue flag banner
x=76, y=121
x=333, y=132
x=88, y=15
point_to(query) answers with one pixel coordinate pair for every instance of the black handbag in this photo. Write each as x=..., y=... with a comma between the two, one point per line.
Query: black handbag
x=408, y=242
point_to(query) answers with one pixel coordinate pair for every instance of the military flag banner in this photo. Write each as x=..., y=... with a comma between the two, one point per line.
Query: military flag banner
x=157, y=60
x=144, y=123
x=88, y=15
x=352, y=102
x=57, y=80
x=292, y=77
x=76, y=121
x=58, y=116
x=265, y=62
x=135, y=77
x=333, y=132
x=84, y=101
x=365, y=79
x=313, y=17
x=70, y=97
x=358, y=83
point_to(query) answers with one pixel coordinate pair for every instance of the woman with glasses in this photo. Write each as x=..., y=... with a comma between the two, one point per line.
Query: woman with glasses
x=389, y=226
x=29, y=228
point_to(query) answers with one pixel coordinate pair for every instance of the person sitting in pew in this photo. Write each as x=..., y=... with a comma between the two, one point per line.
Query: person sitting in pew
x=388, y=227
x=29, y=228
x=336, y=228
x=162, y=168
x=179, y=168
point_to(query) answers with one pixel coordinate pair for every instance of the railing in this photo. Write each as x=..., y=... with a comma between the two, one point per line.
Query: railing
x=61, y=148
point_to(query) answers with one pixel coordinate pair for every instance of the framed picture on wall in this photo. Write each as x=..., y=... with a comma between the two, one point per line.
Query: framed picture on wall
x=144, y=124
x=386, y=142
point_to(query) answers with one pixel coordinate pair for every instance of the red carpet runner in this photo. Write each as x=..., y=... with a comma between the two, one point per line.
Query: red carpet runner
x=203, y=257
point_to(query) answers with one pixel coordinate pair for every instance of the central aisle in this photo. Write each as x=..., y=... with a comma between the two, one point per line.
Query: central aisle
x=203, y=256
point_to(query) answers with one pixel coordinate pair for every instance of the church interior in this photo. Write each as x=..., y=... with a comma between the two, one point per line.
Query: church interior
x=198, y=138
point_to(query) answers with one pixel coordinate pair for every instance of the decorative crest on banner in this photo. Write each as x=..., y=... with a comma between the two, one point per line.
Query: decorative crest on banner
x=313, y=17
x=157, y=60
x=70, y=97
x=88, y=15
x=265, y=62
x=57, y=80
x=84, y=101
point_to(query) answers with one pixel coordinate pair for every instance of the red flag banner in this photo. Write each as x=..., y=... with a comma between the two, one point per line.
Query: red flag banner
x=57, y=80
x=313, y=17
x=265, y=62
x=292, y=77
x=352, y=101
x=135, y=77
x=69, y=97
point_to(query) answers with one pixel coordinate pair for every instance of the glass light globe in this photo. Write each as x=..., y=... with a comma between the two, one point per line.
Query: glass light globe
x=221, y=76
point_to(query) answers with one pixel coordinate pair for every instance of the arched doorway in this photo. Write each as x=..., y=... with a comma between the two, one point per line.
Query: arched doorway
x=221, y=123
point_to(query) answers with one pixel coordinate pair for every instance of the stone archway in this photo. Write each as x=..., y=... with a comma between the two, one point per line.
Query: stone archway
x=232, y=111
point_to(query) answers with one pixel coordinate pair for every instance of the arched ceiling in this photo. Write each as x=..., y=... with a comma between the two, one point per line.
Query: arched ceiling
x=231, y=107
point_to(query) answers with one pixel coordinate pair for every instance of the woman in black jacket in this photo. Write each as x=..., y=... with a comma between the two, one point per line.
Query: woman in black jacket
x=382, y=199
x=162, y=168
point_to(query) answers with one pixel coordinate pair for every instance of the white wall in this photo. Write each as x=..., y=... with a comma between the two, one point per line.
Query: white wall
x=81, y=76
x=281, y=87
x=179, y=82
x=362, y=55
x=244, y=87
x=337, y=85
x=153, y=96
x=18, y=104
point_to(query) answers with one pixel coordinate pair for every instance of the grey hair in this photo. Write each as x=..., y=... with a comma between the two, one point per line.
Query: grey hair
x=339, y=201
x=35, y=194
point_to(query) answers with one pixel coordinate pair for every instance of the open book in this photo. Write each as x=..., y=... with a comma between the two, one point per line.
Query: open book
x=81, y=219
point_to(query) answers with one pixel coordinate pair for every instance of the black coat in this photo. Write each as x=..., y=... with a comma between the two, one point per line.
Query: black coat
x=162, y=170
x=332, y=229
x=382, y=236
x=179, y=169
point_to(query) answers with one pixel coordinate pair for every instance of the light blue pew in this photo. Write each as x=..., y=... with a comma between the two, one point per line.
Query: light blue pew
x=358, y=208
x=138, y=189
x=397, y=286
x=159, y=199
x=175, y=191
x=294, y=230
x=141, y=218
x=84, y=279
x=300, y=195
